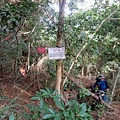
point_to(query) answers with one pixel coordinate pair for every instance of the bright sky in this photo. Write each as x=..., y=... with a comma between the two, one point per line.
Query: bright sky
x=82, y=5
x=87, y=4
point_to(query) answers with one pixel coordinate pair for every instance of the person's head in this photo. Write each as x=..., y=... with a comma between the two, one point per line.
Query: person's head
x=101, y=77
x=23, y=72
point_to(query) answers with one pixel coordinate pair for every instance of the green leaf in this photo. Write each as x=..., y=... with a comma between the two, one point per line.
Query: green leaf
x=82, y=112
x=83, y=106
x=86, y=115
x=66, y=114
x=54, y=92
x=68, y=103
x=43, y=91
x=49, y=91
x=38, y=94
x=11, y=117
x=35, y=98
x=41, y=103
x=58, y=116
x=60, y=104
x=51, y=110
x=72, y=114
x=75, y=104
x=48, y=116
x=91, y=119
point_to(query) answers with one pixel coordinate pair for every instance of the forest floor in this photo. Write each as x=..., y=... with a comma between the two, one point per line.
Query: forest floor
x=20, y=90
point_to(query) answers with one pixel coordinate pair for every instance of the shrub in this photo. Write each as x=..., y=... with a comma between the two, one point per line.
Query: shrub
x=51, y=107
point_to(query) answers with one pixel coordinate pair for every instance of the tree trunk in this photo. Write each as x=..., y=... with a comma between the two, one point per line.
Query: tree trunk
x=59, y=44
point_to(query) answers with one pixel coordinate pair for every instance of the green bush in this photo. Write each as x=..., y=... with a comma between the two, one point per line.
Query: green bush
x=51, y=107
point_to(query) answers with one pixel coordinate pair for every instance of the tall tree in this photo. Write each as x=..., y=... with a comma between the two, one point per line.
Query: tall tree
x=59, y=43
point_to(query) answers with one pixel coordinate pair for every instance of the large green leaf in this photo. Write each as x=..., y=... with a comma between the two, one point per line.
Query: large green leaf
x=72, y=114
x=47, y=116
x=11, y=117
x=41, y=103
x=83, y=107
x=51, y=111
x=35, y=98
x=58, y=116
x=66, y=114
x=60, y=104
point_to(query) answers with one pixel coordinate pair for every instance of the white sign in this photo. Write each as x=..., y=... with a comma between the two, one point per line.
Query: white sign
x=56, y=53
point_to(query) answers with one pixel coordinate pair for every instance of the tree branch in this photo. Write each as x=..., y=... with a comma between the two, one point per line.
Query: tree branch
x=102, y=23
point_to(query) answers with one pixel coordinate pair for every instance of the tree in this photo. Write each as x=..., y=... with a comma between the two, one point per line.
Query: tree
x=59, y=43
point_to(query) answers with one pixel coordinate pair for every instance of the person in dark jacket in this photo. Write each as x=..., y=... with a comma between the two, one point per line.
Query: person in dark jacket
x=102, y=85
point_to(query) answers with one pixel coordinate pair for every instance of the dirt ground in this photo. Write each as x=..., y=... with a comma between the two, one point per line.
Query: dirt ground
x=21, y=89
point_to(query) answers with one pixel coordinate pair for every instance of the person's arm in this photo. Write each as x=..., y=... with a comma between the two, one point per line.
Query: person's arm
x=107, y=86
x=94, y=86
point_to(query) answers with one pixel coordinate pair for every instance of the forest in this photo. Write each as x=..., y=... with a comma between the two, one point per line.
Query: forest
x=52, y=52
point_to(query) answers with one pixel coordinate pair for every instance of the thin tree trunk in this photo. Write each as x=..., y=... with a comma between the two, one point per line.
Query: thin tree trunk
x=28, y=59
x=115, y=85
x=74, y=63
x=59, y=44
x=82, y=73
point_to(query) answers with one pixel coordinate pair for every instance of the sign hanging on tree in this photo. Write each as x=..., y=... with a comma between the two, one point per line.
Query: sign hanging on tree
x=56, y=53
x=41, y=49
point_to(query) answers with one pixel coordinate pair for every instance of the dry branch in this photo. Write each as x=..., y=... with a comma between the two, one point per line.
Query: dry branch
x=38, y=66
x=10, y=76
x=22, y=91
x=1, y=79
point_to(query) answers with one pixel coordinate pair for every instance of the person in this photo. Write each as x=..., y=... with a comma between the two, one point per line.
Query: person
x=102, y=85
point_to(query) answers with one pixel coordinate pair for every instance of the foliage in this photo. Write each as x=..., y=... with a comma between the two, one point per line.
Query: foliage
x=36, y=23
x=11, y=117
x=103, y=46
x=12, y=15
x=41, y=21
x=21, y=24
x=5, y=112
x=57, y=109
x=83, y=93
x=51, y=67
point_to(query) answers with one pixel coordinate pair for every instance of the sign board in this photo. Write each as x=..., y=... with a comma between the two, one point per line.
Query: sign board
x=56, y=53
x=41, y=49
